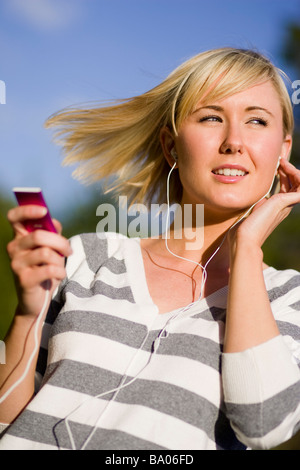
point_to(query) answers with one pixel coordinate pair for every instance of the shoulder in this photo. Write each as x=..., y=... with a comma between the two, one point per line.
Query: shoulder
x=283, y=288
x=282, y=281
x=94, y=249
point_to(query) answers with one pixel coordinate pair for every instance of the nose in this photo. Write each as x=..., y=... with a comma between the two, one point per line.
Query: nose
x=232, y=141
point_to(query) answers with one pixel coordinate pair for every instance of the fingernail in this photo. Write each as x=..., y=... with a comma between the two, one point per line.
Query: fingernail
x=43, y=211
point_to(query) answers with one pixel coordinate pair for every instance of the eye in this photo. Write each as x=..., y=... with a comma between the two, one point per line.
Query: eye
x=259, y=121
x=210, y=119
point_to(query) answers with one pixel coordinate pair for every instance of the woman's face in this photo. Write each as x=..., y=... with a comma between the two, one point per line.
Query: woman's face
x=228, y=150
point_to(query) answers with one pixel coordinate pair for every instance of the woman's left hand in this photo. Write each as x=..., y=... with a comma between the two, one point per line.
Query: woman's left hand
x=269, y=213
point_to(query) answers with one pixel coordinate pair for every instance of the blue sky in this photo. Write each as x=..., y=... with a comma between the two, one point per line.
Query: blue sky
x=56, y=53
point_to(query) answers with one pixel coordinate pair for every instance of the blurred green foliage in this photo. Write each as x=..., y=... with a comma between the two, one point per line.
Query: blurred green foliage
x=281, y=250
x=8, y=296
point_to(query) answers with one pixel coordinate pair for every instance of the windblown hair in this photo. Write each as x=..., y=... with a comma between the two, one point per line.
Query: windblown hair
x=122, y=140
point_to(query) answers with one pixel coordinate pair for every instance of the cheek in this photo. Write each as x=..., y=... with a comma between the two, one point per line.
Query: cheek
x=266, y=152
x=195, y=149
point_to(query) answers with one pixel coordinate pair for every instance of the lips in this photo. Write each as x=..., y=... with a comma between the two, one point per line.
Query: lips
x=229, y=173
x=230, y=170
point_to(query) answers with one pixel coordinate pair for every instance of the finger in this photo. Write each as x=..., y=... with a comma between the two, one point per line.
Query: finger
x=285, y=184
x=19, y=214
x=31, y=277
x=37, y=257
x=286, y=200
x=57, y=225
x=40, y=238
x=289, y=167
x=292, y=173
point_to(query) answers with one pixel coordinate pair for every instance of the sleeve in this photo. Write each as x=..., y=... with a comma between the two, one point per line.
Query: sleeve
x=3, y=426
x=262, y=393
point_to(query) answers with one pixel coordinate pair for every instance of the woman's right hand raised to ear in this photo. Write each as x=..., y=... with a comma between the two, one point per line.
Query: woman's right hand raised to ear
x=37, y=259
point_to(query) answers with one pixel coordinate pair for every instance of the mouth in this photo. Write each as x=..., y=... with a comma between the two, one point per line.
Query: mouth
x=230, y=173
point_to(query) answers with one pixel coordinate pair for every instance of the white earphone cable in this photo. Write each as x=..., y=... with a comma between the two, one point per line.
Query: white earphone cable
x=35, y=349
x=114, y=390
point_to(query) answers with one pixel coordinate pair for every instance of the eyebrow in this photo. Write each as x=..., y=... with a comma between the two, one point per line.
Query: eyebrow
x=220, y=109
x=253, y=108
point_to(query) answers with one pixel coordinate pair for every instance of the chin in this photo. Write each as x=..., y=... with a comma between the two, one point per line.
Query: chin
x=229, y=207
x=239, y=200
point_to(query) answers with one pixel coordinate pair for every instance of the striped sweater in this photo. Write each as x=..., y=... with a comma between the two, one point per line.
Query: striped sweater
x=116, y=375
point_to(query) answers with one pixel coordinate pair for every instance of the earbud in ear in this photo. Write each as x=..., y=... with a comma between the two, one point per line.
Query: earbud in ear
x=278, y=164
x=174, y=154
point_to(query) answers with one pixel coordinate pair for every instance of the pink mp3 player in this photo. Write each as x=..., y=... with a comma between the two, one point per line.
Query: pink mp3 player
x=34, y=196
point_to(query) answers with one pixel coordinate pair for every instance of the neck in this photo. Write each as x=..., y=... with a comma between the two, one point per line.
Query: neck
x=199, y=235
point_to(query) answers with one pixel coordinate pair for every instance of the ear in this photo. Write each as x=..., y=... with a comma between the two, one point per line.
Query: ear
x=286, y=147
x=167, y=144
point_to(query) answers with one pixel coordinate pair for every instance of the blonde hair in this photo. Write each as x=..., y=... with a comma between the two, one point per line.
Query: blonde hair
x=122, y=140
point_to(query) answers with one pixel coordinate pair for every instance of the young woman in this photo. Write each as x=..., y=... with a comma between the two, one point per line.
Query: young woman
x=154, y=343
